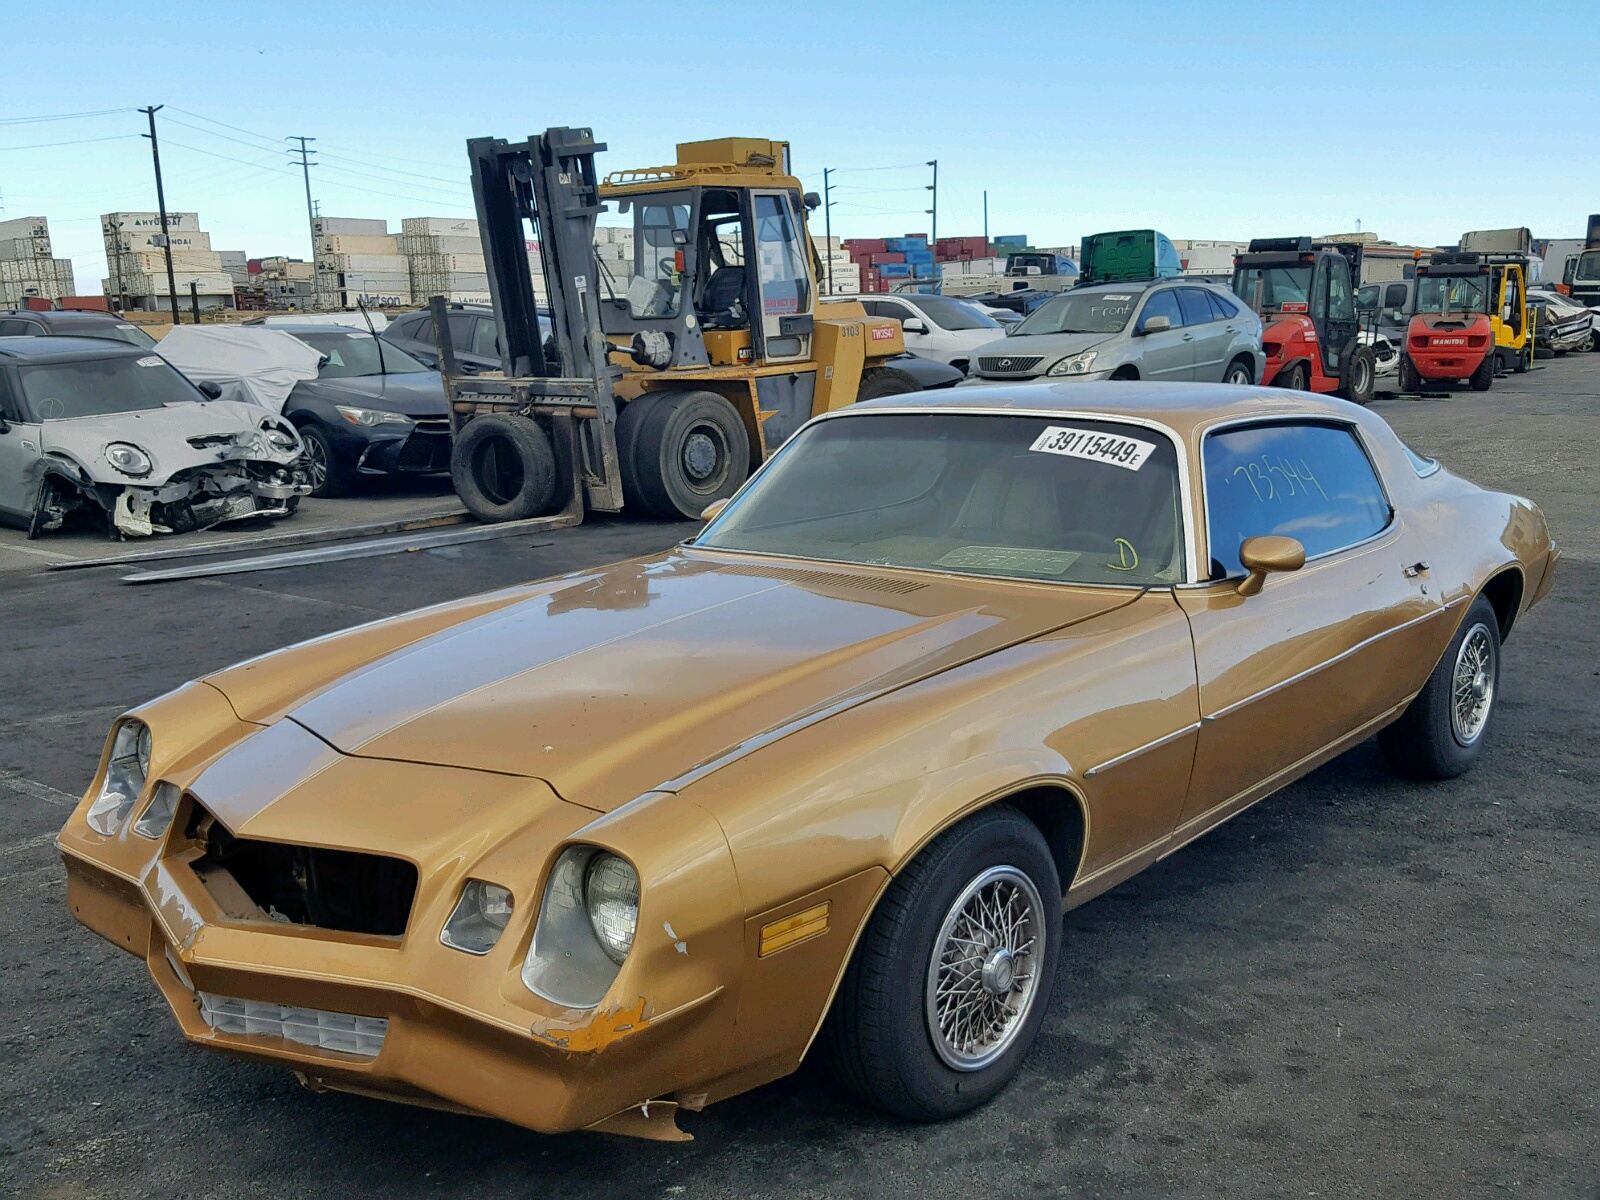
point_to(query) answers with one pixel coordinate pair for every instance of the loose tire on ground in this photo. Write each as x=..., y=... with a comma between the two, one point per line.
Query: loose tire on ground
x=679, y=451
x=1410, y=381
x=329, y=477
x=1359, y=373
x=503, y=468
x=887, y=1037
x=1483, y=378
x=885, y=381
x=1442, y=731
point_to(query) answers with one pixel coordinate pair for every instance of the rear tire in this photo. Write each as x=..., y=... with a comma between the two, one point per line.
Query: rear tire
x=1294, y=379
x=1359, y=374
x=503, y=468
x=1410, y=381
x=1483, y=378
x=1523, y=362
x=679, y=451
x=886, y=381
x=898, y=1035
x=1240, y=372
x=1441, y=733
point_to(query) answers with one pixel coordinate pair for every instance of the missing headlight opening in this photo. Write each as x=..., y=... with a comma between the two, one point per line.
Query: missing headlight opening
x=302, y=885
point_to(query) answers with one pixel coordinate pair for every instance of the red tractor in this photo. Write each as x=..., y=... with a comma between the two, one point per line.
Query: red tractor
x=1305, y=296
x=1450, y=337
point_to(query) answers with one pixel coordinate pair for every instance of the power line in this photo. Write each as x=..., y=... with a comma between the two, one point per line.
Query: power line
x=116, y=137
x=102, y=112
x=421, y=162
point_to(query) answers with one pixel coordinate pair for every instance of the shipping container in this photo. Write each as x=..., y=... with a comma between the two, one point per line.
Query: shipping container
x=382, y=263
x=148, y=240
x=135, y=222
x=357, y=244
x=25, y=227
x=450, y=226
x=353, y=226
x=154, y=262
x=439, y=243
x=24, y=248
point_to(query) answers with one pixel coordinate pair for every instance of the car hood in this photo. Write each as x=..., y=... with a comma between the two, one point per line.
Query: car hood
x=226, y=430
x=412, y=394
x=612, y=684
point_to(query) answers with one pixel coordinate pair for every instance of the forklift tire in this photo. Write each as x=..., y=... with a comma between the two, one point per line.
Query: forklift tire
x=1410, y=381
x=680, y=451
x=1483, y=377
x=1524, y=361
x=1294, y=378
x=503, y=468
x=1359, y=371
x=885, y=381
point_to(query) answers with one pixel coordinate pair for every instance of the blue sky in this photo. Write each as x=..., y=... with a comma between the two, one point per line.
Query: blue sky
x=1224, y=119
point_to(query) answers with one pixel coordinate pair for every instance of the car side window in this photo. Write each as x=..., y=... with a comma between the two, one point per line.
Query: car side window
x=15, y=328
x=1394, y=296
x=486, y=339
x=1225, y=309
x=460, y=332
x=412, y=326
x=1196, y=310
x=1311, y=482
x=9, y=408
x=1367, y=297
x=1162, y=304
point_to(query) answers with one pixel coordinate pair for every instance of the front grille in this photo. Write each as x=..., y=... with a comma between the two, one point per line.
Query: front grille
x=425, y=451
x=343, y=1033
x=302, y=885
x=1009, y=365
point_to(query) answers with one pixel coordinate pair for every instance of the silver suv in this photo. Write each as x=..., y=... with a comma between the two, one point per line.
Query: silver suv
x=1174, y=329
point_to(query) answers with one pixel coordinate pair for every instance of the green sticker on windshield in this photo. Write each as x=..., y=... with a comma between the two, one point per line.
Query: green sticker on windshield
x=1016, y=559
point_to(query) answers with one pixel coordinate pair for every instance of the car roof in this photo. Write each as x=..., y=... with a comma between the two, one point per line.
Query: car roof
x=65, y=314
x=41, y=348
x=1182, y=407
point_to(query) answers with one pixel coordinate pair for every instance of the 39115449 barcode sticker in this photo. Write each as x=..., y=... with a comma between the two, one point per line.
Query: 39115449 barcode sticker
x=1113, y=449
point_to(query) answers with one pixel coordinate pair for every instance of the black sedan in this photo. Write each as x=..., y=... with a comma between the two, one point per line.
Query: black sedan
x=372, y=410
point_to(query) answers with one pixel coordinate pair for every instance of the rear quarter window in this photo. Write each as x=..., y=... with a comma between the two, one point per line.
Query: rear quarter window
x=1311, y=482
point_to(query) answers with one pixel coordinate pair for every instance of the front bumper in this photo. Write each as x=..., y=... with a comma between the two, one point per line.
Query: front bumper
x=420, y=449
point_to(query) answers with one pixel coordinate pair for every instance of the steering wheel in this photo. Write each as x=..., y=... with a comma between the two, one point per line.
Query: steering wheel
x=668, y=267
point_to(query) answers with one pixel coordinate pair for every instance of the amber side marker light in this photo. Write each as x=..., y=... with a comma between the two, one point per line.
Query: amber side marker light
x=780, y=935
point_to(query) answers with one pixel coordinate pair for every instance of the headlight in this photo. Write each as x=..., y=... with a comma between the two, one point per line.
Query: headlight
x=611, y=896
x=371, y=416
x=129, y=459
x=281, y=439
x=479, y=918
x=1073, y=364
x=156, y=818
x=125, y=777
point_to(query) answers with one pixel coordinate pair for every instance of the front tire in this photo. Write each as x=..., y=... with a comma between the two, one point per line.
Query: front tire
x=948, y=987
x=885, y=381
x=1295, y=378
x=327, y=475
x=1360, y=372
x=1441, y=733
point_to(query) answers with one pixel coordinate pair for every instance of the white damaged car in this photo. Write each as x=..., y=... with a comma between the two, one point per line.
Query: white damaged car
x=95, y=428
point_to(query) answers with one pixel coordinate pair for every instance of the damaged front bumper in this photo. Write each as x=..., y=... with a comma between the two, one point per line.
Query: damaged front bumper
x=206, y=497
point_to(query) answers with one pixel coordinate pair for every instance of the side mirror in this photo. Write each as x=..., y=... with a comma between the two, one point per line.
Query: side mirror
x=1262, y=556
x=5, y=425
x=811, y=200
x=1154, y=325
x=713, y=510
x=210, y=389
x=913, y=325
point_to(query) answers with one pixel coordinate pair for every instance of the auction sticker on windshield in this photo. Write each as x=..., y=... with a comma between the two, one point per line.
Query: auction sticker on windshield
x=150, y=360
x=1111, y=448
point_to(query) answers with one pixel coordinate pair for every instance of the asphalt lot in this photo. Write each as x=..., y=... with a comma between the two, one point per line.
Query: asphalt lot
x=1361, y=987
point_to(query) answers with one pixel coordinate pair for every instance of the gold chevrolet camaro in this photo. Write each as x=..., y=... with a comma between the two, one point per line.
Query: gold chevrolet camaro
x=583, y=853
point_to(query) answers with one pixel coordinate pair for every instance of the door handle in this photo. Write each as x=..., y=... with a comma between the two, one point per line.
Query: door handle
x=1188, y=337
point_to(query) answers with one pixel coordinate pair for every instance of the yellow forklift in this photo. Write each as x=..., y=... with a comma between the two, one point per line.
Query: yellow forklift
x=1506, y=252
x=666, y=388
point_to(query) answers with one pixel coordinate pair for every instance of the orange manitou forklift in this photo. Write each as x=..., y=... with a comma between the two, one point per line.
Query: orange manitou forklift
x=1305, y=295
x=665, y=388
x=1450, y=337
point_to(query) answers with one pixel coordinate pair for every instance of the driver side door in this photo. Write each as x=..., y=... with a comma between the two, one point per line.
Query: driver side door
x=783, y=277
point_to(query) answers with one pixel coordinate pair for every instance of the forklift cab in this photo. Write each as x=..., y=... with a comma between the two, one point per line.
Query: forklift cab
x=1285, y=277
x=1508, y=284
x=721, y=276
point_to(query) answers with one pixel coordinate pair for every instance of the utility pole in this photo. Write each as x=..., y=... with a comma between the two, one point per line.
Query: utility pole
x=934, y=238
x=114, y=236
x=986, y=220
x=311, y=215
x=827, y=223
x=161, y=201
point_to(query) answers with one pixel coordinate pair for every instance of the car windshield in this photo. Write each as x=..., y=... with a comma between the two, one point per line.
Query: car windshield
x=953, y=314
x=1079, y=312
x=117, y=331
x=96, y=387
x=351, y=354
x=1588, y=265
x=1468, y=293
x=1279, y=286
x=1061, y=499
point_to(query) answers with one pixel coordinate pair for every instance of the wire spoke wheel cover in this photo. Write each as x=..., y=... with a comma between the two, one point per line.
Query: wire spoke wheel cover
x=1472, y=685
x=981, y=978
